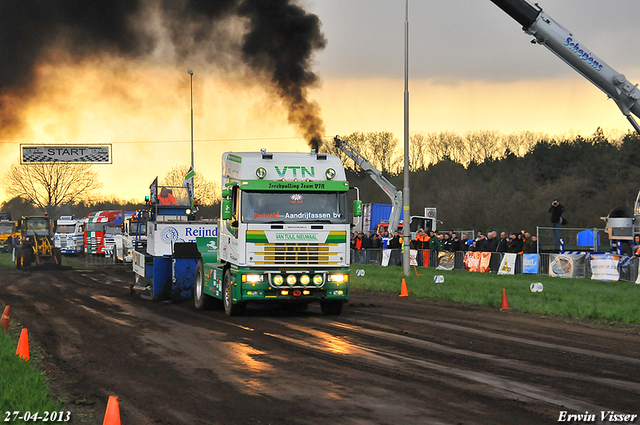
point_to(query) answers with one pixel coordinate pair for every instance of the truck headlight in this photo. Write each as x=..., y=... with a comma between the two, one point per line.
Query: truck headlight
x=252, y=278
x=261, y=173
x=338, y=278
x=305, y=279
x=278, y=280
x=291, y=280
x=318, y=279
x=330, y=173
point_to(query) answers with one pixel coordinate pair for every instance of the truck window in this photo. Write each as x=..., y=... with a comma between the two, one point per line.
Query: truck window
x=133, y=228
x=37, y=227
x=95, y=227
x=6, y=227
x=65, y=228
x=295, y=207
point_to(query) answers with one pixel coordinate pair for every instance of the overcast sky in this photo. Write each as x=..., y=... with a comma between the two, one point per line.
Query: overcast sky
x=467, y=39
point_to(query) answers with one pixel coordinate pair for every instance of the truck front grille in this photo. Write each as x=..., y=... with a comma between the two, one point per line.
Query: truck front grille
x=295, y=253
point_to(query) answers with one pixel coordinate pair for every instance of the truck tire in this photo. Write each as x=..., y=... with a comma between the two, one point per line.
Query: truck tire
x=331, y=308
x=201, y=301
x=229, y=307
x=18, y=257
x=27, y=255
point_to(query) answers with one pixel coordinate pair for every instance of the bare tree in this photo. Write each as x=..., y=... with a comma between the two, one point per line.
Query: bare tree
x=418, y=152
x=383, y=146
x=206, y=191
x=48, y=185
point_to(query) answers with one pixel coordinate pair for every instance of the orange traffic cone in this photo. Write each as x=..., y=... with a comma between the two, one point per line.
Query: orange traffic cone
x=112, y=415
x=5, y=318
x=23, y=345
x=505, y=302
x=403, y=291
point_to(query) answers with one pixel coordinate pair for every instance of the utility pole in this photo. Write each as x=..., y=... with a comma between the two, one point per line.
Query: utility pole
x=407, y=215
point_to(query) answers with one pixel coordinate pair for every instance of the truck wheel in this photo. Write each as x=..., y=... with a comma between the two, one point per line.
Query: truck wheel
x=18, y=257
x=229, y=307
x=201, y=300
x=331, y=308
x=27, y=255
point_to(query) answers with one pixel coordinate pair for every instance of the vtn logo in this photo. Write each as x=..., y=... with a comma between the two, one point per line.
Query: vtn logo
x=304, y=171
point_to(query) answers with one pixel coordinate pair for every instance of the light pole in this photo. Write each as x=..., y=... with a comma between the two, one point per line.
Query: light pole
x=190, y=72
x=407, y=215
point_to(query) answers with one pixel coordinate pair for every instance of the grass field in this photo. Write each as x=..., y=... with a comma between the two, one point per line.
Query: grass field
x=23, y=386
x=572, y=298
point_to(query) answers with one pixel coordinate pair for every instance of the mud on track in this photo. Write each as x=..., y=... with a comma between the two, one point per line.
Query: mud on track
x=385, y=360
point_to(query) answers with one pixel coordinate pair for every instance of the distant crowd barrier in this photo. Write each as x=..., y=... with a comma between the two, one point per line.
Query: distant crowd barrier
x=591, y=265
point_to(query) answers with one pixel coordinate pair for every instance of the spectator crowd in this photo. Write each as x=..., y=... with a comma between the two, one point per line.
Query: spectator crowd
x=515, y=242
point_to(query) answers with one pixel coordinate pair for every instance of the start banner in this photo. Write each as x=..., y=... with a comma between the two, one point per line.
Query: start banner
x=477, y=261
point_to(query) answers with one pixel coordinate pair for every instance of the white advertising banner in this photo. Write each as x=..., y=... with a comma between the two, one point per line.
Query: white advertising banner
x=386, y=255
x=413, y=257
x=508, y=264
x=161, y=236
x=605, y=267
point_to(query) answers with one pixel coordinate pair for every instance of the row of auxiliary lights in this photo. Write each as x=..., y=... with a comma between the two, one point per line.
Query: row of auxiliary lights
x=293, y=279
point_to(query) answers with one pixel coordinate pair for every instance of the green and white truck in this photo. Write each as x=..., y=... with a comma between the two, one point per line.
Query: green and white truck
x=283, y=236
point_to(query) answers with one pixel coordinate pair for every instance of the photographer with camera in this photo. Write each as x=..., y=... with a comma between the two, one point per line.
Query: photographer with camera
x=557, y=219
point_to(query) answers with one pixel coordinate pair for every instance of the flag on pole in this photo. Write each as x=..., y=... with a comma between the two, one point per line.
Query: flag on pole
x=188, y=183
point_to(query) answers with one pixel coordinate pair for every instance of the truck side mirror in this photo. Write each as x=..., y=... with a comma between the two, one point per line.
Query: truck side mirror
x=226, y=208
x=226, y=193
x=357, y=208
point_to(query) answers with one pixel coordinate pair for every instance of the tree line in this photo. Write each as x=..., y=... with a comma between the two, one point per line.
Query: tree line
x=481, y=180
x=509, y=181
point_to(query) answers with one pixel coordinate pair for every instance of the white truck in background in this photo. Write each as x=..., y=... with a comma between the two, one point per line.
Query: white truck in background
x=69, y=235
x=134, y=237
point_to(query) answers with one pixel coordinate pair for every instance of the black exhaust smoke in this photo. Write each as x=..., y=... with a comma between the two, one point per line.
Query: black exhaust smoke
x=278, y=43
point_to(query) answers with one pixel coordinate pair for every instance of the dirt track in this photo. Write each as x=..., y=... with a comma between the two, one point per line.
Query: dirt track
x=385, y=360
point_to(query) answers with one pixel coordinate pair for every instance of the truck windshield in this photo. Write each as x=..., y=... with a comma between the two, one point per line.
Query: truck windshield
x=134, y=226
x=66, y=228
x=295, y=207
x=95, y=227
x=113, y=230
x=36, y=226
x=6, y=227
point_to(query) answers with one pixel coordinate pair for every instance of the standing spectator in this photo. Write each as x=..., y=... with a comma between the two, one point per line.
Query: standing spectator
x=384, y=240
x=557, y=219
x=481, y=242
x=366, y=240
x=375, y=241
x=354, y=237
x=528, y=247
x=636, y=245
x=464, y=242
x=395, y=243
x=503, y=245
x=359, y=241
x=492, y=239
x=434, y=242
x=447, y=243
x=457, y=243
x=515, y=243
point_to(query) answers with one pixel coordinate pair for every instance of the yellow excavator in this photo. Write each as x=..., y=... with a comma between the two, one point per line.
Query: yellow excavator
x=36, y=236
